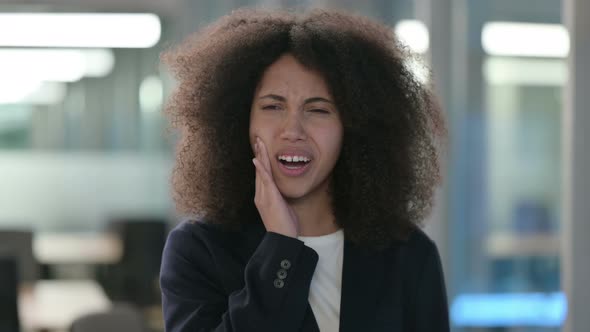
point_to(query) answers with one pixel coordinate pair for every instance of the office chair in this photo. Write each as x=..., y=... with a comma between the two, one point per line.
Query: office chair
x=19, y=244
x=134, y=278
x=122, y=318
x=9, y=320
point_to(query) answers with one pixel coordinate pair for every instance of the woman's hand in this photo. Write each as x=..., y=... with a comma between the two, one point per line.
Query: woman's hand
x=276, y=214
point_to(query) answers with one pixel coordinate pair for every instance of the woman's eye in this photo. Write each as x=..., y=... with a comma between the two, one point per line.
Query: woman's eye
x=271, y=107
x=319, y=110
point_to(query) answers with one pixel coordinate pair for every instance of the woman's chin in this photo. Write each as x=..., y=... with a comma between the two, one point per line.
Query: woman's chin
x=292, y=194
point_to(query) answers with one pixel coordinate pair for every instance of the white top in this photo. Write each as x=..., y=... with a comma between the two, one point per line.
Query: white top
x=326, y=283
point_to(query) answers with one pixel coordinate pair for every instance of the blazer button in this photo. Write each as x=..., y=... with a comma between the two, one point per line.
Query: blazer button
x=282, y=274
x=279, y=283
x=285, y=264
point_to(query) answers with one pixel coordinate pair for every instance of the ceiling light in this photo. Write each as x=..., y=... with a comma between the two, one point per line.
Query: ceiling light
x=110, y=30
x=525, y=39
x=61, y=65
x=26, y=91
x=414, y=34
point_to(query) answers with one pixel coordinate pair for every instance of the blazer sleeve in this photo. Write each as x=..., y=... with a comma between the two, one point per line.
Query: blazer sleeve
x=431, y=313
x=193, y=298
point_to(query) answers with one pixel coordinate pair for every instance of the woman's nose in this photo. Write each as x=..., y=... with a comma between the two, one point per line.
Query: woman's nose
x=293, y=129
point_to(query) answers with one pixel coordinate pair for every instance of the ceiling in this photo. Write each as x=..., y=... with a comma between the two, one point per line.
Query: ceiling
x=167, y=8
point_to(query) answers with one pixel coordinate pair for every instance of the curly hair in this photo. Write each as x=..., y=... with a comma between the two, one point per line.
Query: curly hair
x=384, y=181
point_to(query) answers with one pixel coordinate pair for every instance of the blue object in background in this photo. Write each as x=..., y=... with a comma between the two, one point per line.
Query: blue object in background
x=511, y=309
x=531, y=217
x=536, y=274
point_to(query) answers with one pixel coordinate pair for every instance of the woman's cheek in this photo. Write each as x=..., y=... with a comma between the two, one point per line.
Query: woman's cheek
x=253, y=133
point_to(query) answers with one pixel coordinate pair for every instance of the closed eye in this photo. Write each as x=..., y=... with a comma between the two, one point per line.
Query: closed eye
x=319, y=110
x=271, y=107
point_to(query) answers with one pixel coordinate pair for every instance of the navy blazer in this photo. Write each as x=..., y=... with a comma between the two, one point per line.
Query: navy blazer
x=219, y=280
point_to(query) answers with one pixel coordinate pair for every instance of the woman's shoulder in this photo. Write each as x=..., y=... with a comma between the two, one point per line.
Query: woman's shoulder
x=420, y=258
x=185, y=237
x=196, y=230
x=191, y=233
x=416, y=250
x=419, y=242
x=196, y=227
x=414, y=240
x=190, y=229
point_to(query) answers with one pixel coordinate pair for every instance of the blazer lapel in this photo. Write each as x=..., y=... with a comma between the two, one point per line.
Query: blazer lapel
x=309, y=323
x=362, y=278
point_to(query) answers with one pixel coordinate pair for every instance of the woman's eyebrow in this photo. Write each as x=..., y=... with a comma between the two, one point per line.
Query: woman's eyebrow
x=275, y=97
x=315, y=99
x=307, y=101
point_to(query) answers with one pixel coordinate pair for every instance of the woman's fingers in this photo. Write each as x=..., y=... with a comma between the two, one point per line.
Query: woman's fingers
x=258, y=180
x=261, y=172
x=276, y=215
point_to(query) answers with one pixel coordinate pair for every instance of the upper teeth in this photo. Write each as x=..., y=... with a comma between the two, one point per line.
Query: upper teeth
x=294, y=158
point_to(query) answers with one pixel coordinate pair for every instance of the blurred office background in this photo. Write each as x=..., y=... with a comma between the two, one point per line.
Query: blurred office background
x=85, y=157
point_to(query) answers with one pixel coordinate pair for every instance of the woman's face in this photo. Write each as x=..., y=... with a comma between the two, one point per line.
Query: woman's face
x=295, y=116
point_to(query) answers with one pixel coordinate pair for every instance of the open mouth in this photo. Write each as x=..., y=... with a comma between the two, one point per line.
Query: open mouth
x=293, y=165
x=294, y=162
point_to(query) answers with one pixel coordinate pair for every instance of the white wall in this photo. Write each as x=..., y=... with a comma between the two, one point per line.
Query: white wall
x=80, y=190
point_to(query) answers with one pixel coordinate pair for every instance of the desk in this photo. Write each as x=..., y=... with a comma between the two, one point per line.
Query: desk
x=55, y=304
x=77, y=248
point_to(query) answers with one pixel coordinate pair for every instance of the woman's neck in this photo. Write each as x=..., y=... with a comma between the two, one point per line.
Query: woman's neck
x=315, y=214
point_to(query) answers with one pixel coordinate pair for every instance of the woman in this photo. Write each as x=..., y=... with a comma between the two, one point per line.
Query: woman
x=311, y=224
